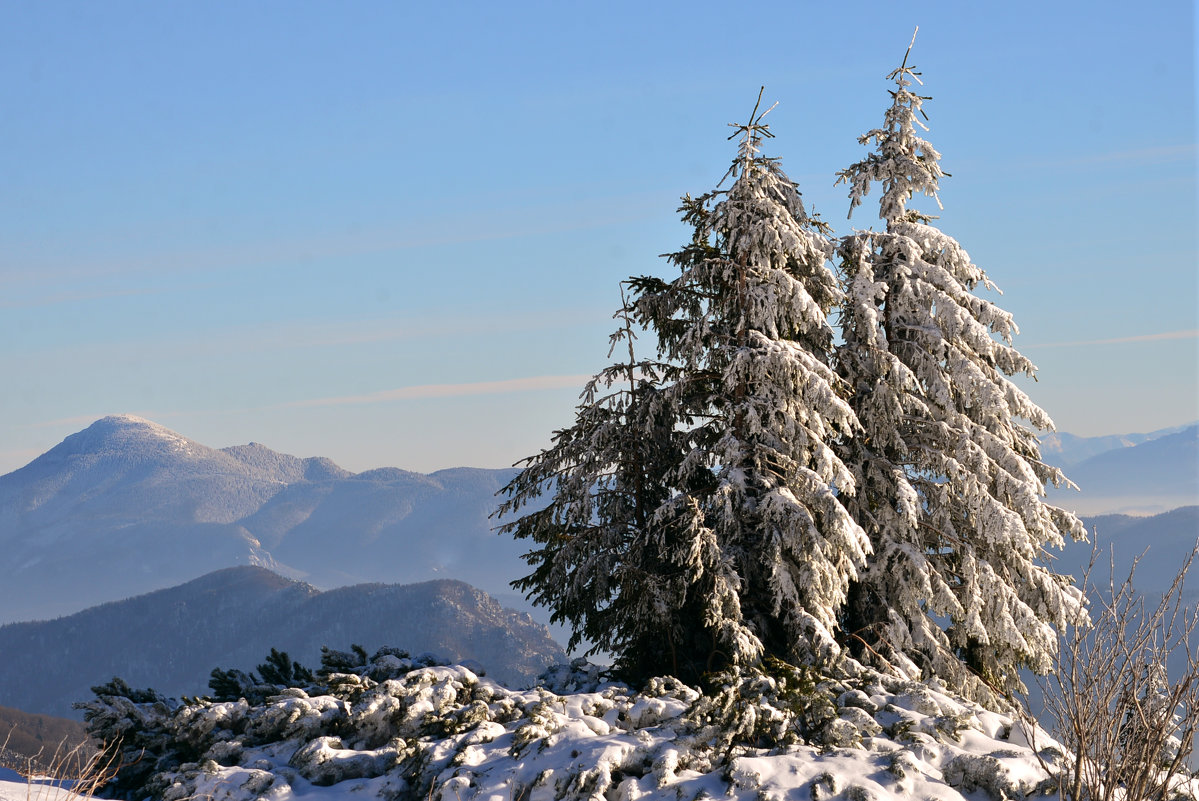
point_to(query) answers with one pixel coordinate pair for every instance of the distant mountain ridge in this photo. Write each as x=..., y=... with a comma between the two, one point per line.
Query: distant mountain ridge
x=1152, y=477
x=26, y=736
x=1160, y=542
x=171, y=639
x=127, y=506
x=1065, y=450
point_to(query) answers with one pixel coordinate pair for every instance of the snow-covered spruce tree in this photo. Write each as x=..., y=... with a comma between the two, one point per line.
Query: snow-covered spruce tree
x=696, y=520
x=951, y=485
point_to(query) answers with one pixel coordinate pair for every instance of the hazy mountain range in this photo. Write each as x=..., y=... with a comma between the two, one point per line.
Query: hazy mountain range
x=1160, y=543
x=127, y=506
x=1066, y=450
x=1158, y=474
x=172, y=639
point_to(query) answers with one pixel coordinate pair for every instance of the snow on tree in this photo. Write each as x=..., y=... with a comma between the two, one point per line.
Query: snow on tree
x=951, y=485
x=699, y=503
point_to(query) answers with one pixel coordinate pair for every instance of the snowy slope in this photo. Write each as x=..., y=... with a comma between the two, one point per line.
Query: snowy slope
x=13, y=787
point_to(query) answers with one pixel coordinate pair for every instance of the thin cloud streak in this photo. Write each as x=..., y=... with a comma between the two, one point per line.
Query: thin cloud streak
x=1166, y=154
x=425, y=391
x=1168, y=335
x=81, y=419
x=475, y=226
x=1154, y=155
x=368, y=332
x=76, y=297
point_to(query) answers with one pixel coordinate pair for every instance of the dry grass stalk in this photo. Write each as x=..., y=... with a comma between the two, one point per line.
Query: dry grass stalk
x=1127, y=725
x=75, y=771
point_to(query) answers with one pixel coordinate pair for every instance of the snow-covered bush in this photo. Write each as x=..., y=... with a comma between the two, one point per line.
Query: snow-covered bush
x=134, y=728
x=771, y=707
x=146, y=733
x=445, y=733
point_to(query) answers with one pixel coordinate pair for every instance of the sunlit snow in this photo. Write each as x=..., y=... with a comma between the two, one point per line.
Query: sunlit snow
x=444, y=732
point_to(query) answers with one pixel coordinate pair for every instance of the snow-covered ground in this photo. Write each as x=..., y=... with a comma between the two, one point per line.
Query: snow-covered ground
x=14, y=787
x=398, y=729
x=443, y=732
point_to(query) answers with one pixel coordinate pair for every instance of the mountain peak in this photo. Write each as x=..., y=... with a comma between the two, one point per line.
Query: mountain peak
x=116, y=422
x=127, y=433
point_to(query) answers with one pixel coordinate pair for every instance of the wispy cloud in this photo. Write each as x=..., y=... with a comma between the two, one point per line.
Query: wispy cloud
x=1150, y=155
x=83, y=419
x=415, y=326
x=536, y=217
x=53, y=299
x=451, y=390
x=1118, y=159
x=1190, y=334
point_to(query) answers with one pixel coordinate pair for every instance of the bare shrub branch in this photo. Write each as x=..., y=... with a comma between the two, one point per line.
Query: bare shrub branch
x=1124, y=693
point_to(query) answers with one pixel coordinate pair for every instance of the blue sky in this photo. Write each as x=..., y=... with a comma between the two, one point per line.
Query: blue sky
x=392, y=234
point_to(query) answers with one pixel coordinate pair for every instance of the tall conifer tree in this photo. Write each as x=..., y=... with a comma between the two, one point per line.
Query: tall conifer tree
x=728, y=539
x=951, y=484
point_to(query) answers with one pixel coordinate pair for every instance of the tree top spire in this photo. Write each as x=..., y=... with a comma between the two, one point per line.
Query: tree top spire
x=751, y=134
x=903, y=67
x=898, y=74
x=754, y=127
